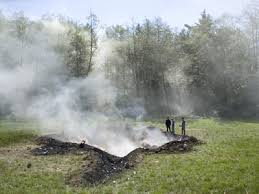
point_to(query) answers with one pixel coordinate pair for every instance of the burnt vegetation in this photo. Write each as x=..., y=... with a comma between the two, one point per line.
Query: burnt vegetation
x=101, y=166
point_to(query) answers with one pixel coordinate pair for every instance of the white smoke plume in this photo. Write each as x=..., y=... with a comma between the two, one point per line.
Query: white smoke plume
x=35, y=86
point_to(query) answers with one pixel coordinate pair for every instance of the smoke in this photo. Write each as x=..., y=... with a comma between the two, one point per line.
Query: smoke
x=35, y=85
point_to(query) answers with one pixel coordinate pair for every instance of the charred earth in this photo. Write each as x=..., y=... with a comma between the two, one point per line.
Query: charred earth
x=101, y=166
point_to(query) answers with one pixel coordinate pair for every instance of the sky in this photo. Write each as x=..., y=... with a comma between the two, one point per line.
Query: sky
x=175, y=12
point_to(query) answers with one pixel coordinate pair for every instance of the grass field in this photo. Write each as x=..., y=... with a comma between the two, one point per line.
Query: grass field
x=227, y=163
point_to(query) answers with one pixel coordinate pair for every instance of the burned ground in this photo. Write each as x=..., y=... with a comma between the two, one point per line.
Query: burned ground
x=101, y=166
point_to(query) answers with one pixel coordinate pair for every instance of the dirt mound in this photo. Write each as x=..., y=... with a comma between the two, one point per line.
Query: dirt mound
x=50, y=146
x=100, y=165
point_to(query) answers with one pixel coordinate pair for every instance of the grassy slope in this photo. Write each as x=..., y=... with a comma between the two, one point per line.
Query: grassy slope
x=229, y=162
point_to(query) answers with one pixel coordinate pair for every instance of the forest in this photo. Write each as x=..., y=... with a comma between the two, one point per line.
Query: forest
x=209, y=68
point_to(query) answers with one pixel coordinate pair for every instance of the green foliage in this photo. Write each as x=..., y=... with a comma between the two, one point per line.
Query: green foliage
x=209, y=62
x=208, y=66
x=81, y=46
x=21, y=25
x=76, y=53
x=219, y=61
x=145, y=53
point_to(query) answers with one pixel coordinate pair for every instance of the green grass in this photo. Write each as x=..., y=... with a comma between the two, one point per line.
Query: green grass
x=12, y=132
x=227, y=163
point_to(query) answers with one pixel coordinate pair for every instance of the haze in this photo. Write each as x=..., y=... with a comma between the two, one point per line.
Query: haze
x=176, y=13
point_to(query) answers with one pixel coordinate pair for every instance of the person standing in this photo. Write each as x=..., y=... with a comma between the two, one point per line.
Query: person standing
x=173, y=126
x=183, y=126
x=168, y=124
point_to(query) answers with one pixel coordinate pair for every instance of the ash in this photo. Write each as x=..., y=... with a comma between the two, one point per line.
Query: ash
x=102, y=166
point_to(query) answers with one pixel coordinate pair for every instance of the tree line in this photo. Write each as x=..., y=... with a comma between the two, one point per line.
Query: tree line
x=208, y=68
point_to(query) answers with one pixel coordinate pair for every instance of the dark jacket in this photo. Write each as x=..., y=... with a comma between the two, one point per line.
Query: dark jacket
x=168, y=122
x=183, y=125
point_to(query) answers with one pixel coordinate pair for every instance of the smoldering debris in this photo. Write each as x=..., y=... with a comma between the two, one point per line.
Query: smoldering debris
x=101, y=166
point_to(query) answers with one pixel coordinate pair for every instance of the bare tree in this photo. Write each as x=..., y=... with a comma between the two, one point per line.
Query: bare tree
x=91, y=27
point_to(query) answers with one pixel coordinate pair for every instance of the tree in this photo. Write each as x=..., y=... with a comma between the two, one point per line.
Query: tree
x=251, y=20
x=21, y=26
x=229, y=77
x=81, y=47
x=145, y=51
x=76, y=56
x=91, y=27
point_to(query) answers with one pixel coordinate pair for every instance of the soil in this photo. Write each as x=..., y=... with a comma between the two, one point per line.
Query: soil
x=101, y=166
